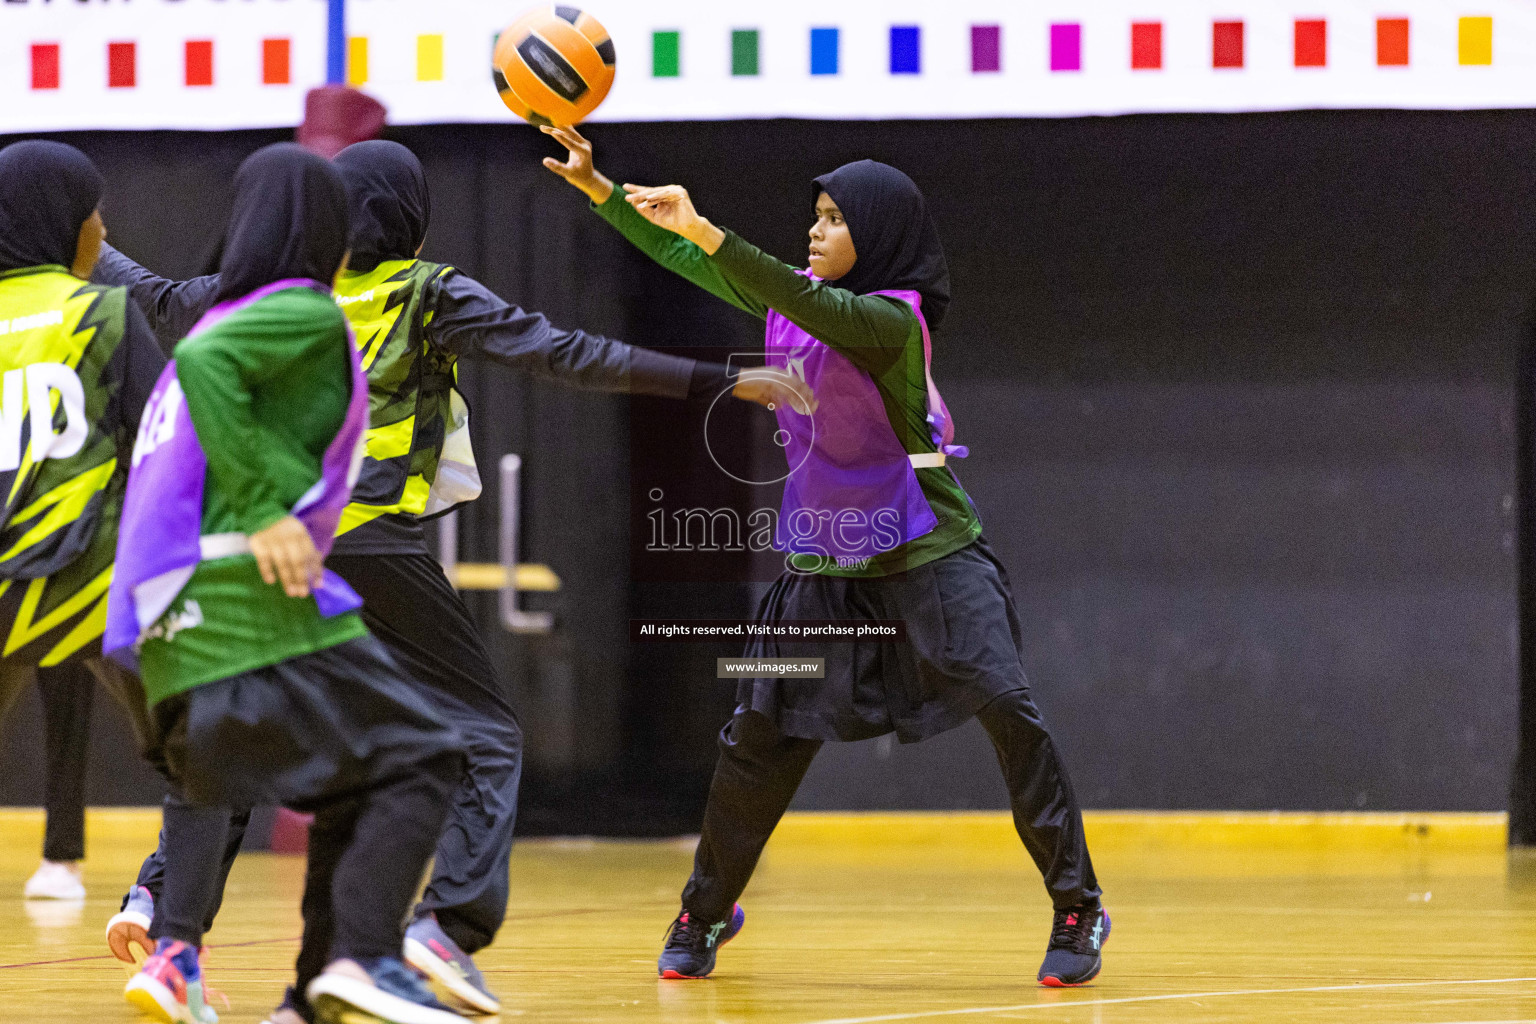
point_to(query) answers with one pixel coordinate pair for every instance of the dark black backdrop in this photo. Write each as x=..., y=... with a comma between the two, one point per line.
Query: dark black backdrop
x=1240, y=392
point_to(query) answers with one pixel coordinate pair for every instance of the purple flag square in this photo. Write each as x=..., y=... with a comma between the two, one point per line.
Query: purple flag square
x=986, y=48
x=1067, y=47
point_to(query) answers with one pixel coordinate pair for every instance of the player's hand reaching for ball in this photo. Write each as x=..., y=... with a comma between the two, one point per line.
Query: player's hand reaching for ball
x=771, y=387
x=285, y=553
x=670, y=207
x=578, y=168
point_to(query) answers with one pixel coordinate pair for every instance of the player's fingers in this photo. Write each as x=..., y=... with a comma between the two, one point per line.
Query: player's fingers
x=667, y=195
x=578, y=146
x=572, y=139
x=556, y=166
x=284, y=574
x=646, y=191
x=291, y=567
x=306, y=562
x=264, y=565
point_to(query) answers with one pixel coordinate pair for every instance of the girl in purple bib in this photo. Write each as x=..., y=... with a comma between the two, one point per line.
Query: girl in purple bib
x=873, y=525
x=264, y=687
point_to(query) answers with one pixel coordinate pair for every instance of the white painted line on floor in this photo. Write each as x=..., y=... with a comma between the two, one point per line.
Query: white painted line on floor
x=1166, y=997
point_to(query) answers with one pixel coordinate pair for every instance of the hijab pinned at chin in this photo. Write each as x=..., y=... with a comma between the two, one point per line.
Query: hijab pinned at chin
x=895, y=243
x=387, y=199
x=47, y=190
x=289, y=221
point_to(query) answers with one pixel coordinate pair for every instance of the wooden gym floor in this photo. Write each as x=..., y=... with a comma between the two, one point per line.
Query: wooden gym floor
x=863, y=919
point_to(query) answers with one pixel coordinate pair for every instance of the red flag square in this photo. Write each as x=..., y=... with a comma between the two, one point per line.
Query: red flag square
x=122, y=71
x=1227, y=44
x=1311, y=43
x=1392, y=42
x=275, y=61
x=1146, y=45
x=45, y=65
x=199, y=61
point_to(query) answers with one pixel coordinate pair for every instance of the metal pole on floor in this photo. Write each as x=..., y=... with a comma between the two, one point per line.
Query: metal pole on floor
x=1522, y=790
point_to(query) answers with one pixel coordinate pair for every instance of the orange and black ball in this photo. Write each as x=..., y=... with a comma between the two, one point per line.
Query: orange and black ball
x=554, y=65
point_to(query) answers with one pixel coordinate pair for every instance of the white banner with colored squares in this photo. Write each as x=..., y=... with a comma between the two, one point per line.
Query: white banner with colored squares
x=208, y=64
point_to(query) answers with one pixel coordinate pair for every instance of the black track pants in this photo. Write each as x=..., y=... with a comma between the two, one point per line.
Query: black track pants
x=759, y=770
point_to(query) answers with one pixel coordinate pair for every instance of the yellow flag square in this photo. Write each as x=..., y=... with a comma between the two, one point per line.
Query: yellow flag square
x=429, y=58
x=1474, y=41
x=357, y=60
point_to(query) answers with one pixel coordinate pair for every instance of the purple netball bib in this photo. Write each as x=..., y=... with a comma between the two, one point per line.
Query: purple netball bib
x=851, y=492
x=159, y=543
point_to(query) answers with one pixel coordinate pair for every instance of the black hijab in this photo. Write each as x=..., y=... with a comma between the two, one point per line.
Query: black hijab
x=289, y=220
x=387, y=199
x=895, y=241
x=47, y=190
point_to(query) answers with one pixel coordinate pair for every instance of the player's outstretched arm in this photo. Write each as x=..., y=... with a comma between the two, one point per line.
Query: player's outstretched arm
x=171, y=307
x=470, y=320
x=868, y=329
x=677, y=254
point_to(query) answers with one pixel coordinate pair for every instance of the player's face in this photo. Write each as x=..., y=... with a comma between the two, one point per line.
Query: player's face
x=832, y=253
x=88, y=246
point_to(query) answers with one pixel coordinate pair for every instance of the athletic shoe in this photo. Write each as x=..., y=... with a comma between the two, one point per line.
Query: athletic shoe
x=692, y=945
x=387, y=992
x=1075, y=954
x=169, y=988
x=128, y=931
x=289, y=1011
x=429, y=949
x=55, y=880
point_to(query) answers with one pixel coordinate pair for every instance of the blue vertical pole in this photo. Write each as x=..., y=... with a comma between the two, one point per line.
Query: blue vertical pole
x=336, y=42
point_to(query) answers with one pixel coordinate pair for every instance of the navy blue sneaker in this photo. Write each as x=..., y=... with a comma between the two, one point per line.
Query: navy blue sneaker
x=429, y=949
x=382, y=992
x=1075, y=954
x=692, y=945
x=294, y=1009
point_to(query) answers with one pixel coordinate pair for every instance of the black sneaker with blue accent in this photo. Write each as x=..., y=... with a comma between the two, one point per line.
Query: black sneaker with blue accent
x=1075, y=954
x=430, y=950
x=385, y=991
x=692, y=945
x=294, y=1009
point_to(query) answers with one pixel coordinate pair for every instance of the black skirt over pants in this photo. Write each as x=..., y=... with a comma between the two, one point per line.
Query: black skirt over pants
x=410, y=606
x=961, y=658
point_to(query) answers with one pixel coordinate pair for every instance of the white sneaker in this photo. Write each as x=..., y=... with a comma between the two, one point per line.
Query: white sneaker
x=55, y=880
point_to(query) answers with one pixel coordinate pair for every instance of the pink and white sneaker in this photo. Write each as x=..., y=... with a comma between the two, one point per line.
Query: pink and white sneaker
x=169, y=987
